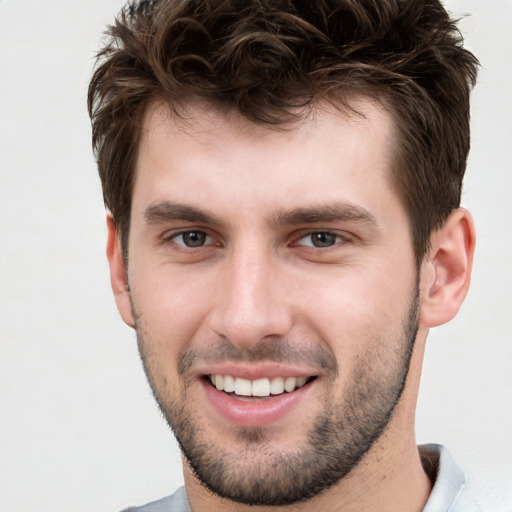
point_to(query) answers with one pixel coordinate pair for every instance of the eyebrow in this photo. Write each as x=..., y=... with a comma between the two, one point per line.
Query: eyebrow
x=169, y=211
x=335, y=212
x=166, y=211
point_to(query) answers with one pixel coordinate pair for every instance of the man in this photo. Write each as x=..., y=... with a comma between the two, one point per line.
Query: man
x=283, y=185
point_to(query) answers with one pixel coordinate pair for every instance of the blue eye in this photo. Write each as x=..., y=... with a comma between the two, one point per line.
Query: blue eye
x=320, y=239
x=191, y=238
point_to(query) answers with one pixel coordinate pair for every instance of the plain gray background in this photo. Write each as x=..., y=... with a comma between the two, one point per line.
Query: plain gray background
x=78, y=427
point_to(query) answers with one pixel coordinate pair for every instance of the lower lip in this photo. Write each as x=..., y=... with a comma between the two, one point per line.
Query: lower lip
x=255, y=413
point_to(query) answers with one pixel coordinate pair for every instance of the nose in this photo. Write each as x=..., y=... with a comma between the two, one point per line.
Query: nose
x=252, y=304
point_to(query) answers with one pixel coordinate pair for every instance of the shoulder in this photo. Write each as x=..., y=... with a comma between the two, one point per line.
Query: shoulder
x=176, y=502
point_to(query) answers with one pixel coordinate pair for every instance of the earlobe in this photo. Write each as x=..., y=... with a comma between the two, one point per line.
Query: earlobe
x=446, y=271
x=118, y=274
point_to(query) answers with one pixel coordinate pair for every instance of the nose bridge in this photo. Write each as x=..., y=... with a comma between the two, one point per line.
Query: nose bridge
x=251, y=304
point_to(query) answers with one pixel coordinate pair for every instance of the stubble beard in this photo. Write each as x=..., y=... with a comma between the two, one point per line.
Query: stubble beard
x=335, y=444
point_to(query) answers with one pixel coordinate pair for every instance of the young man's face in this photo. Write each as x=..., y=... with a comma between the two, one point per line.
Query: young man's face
x=260, y=256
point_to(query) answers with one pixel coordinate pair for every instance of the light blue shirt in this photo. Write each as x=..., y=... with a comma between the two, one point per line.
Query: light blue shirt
x=449, y=493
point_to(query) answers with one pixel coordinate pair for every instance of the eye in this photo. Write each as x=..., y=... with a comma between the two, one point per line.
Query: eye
x=191, y=238
x=320, y=239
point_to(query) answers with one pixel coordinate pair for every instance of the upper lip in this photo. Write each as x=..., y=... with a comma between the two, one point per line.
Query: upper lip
x=255, y=370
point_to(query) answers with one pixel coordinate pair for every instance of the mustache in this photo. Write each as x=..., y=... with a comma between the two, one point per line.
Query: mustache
x=273, y=350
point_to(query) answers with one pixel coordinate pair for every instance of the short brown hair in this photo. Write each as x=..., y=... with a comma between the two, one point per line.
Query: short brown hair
x=271, y=60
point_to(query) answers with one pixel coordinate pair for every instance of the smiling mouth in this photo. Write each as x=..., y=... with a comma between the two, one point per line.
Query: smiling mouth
x=259, y=388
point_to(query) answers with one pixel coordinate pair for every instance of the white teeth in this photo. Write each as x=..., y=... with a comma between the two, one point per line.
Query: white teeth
x=229, y=384
x=300, y=381
x=277, y=386
x=289, y=384
x=219, y=382
x=259, y=387
x=243, y=387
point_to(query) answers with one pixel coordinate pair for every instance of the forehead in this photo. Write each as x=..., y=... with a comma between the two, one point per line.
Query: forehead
x=208, y=155
x=198, y=119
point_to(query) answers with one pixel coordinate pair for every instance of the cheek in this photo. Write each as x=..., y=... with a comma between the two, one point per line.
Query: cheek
x=357, y=308
x=171, y=309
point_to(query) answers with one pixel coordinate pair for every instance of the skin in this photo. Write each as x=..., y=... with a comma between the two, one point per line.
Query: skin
x=257, y=281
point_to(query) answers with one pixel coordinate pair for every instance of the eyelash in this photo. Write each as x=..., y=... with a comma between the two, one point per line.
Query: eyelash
x=174, y=236
x=336, y=239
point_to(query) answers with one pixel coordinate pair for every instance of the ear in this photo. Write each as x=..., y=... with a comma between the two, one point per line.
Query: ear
x=445, y=273
x=118, y=275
